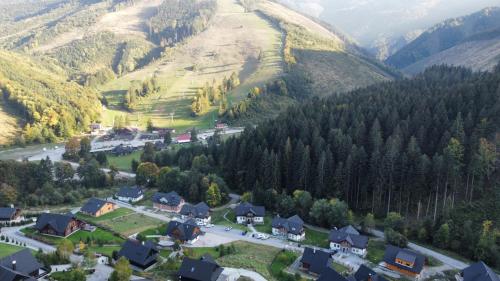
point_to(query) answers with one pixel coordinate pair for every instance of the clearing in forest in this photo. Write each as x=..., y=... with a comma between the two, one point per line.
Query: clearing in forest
x=235, y=41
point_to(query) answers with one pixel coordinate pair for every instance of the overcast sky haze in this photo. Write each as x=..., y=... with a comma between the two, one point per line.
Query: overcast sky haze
x=369, y=20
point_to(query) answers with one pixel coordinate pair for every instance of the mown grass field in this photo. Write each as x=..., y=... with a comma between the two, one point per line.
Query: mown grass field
x=131, y=224
x=7, y=249
x=235, y=41
x=250, y=256
x=123, y=163
x=99, y=234
x=376, y=250
x=218, y=218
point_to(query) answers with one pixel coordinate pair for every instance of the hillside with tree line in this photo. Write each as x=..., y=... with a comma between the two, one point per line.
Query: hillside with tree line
x=424, y=148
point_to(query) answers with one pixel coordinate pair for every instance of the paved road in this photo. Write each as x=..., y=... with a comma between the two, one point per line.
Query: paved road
x=234, y=234
x=454, y=263
x=235, y=198
x=16, y=234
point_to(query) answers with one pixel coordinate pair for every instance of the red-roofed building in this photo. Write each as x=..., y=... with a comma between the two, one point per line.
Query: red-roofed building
x=184, y=138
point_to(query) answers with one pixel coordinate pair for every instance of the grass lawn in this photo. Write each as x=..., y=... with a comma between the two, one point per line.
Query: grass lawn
x=281, y=262
x=109, y=216
x=130, y=224
x=266, y=227
x=340, y=268
x=99, y=234
x=105, y=250
x=376, y=250
x=316, y=238
x=165, y=253
x=160, y=230
x=7, y=249
x=218, y=218
x=250, y=256
x=123, y=163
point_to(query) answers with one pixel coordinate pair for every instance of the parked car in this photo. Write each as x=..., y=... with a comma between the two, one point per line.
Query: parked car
x=244, y=233
x=209, y=225
x=228, y=228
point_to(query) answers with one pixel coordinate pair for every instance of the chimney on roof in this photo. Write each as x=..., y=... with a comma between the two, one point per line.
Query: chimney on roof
x=14, y=265
x=314, y=250
x=12, y=206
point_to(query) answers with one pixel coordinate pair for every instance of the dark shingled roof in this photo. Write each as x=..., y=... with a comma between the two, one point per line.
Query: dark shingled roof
x=7, y=213
x=294, y=225
x=203, y=269
x=329, y=274
x=57, y=221
x=349, y=229
x=170, y=199
x=25, y=265
x=7, y=274
x=186, y=230
x=139, y=254
x=349, y=234
x=93, y=206
x=364, y=272
x=200, y=210
x=130, y=192
x=317, y=260
x=391, y=252
x=244, y=208
x=479, y=271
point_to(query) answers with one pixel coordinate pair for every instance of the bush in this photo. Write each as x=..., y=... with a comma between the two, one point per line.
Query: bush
x=395, y=238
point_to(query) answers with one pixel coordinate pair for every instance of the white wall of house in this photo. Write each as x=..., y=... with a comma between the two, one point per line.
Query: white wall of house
x=130, y=199
x=294, y=237
x=199, y=221
x=353, y=250
x=258, y=219
x=241, y=220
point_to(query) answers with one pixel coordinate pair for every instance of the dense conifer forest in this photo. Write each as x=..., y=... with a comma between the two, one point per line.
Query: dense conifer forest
x=177, y=20
x=425, y=148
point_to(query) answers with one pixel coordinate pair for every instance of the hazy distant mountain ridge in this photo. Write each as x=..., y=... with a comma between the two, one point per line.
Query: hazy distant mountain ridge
x=470, y=30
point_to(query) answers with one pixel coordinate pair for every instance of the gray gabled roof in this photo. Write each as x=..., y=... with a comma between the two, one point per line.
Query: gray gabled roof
x=186, y=231
x=7, y=213
x=349, y=229
x=25, y=264
x=479, y=271
x=294, y=224
x=349, y=234
x=392, y=252
x=200, y=210
x=7, y=274
x=203, y=269
x=57, y=222
x=317, y=260
x=170, y=199
x=93, y=205
x=245, y=208
x=138, y=253
x=364, y=273
x=329, y=274
x=130, y=192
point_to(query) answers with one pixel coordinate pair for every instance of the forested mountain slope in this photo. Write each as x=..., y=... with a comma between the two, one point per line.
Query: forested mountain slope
x=424, y=147
x=48, y=105
x=470, y=41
